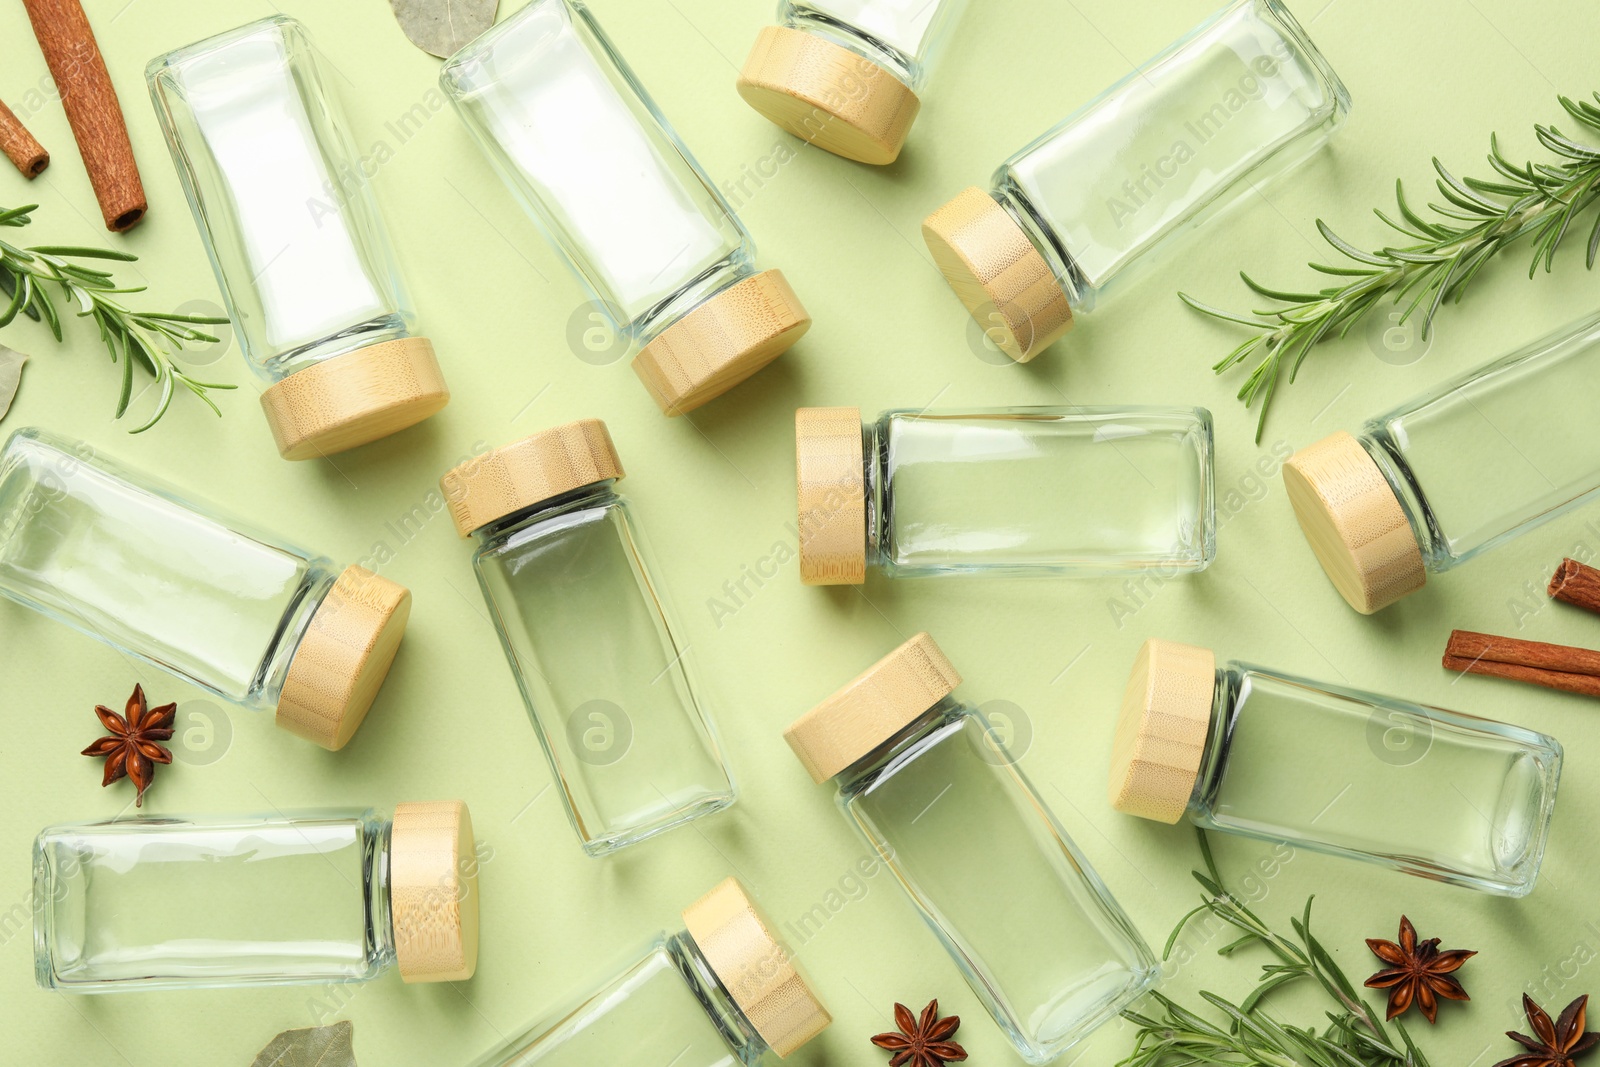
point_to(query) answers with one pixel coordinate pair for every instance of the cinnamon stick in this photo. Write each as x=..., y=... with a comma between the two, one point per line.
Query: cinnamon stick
x=1576, y=584
x=20, y=146
x=1573, y=670
x=90, y=101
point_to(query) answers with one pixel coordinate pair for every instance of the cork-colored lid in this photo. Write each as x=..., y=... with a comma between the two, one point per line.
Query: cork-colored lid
x=521, y=474
x=883, y=700
x=433, y=892
x=828, y=95
x=355, y=398
x=830, y=478
x=343, y=657
x=723, y=341
x=753, y=966
x=998, y=274
x=1354, y=523
x=1161, y=736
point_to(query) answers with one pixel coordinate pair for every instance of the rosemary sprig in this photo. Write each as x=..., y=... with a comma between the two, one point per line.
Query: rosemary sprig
x=144, y=337
x=1438, y=260
x=1248, y=1035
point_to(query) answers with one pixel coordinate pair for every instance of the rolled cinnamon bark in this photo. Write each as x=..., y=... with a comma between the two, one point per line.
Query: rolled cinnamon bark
x=91, y=104
x=20, y=146
x=1576, y=584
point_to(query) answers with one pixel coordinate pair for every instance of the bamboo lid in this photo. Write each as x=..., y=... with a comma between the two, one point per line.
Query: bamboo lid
x=829, y=96
x=1162, y=733
x=830, y=477
x=538, y=467
x=1354, y=523
x=754, y=967
x=343, y=657
x=998, y=274
x=883, y=700
x=433, y=892
x=719, y=344
x=355, y=398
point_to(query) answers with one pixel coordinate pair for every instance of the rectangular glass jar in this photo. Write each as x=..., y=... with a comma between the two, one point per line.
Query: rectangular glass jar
x=906, y=37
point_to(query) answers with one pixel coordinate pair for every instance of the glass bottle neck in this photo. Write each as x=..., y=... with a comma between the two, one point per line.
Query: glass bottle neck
x=375, y=886
x=1010, y=196
x=291, y=631
x=585, y=496
x=731, y=1022
x=875, y=483
x=905, y=744
x=1390, y=458
x=1219, y=737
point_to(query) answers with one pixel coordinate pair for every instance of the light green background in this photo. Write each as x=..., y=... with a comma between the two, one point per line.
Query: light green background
x=716, y=491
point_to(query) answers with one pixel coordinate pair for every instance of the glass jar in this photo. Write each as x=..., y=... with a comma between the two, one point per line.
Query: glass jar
x=282, y=899
x=991, y=492
x=588, y=633
x=1240, y=99
x=581, y=143
x=925, y=780
x=121, y=557
x=284, y=204
x=724, y=990
x=848, y=75
x=1477, y=461
x=1268, y=755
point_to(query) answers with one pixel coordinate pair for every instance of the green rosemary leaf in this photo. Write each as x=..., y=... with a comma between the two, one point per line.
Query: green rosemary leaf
x=83, y=253
x=1477, y=219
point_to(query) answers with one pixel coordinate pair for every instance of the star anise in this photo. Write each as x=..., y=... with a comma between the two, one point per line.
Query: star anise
x=1418, y=973
x=1554, y=1044
x=923, y=1042
x=132, y=750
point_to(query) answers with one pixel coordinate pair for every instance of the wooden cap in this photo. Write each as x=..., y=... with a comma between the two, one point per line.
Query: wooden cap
x=827, y=95
x=1161, y=736
x=830, y=477
x=998, y=274
x=433, y=892
x=722, y=342
x=1354, y=523
x=521, y=474
x=344, y=657
x=883, y=700
x=753, y=966
x=355, y=398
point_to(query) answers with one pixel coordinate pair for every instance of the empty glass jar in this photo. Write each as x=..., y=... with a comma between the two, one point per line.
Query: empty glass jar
x=1266, y=754
x=1004, y=491
x=1240, y=99
x=285, y=209
x=848, y=75
x=281, y=899
x=587, y=631
x=572, y=132
x=123, y=558
x=722, y=991
x=1458, y=471
x=926, y=782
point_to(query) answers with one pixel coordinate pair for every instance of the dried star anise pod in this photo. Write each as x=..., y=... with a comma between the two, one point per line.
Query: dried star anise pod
x=1418, y=973
x=1554, y=1044
x=923, y=1042
x=132, y=750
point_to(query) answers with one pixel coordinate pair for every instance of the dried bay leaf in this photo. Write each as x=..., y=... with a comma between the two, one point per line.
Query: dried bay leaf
x=318, y=1046
x=442, y=27
x=11, y=362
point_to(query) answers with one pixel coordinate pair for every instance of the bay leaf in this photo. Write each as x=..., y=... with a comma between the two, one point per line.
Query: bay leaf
x=317, y=1046
x=442, y=27
x=11, y=362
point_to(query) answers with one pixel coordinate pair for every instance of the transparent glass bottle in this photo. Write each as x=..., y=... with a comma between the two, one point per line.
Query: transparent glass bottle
x=848, y=75
x=282, y=899
x=926, y=782
x=1240, y=99
x=121, y=557
x=581, y=143
x=1479, y=460
x=1004, y=491
x=286, y=212
x=1257, y=752
x=588, y=635
x=722, y=991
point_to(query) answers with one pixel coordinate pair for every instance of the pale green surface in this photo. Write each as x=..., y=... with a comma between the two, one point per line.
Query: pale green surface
x=717, y=496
